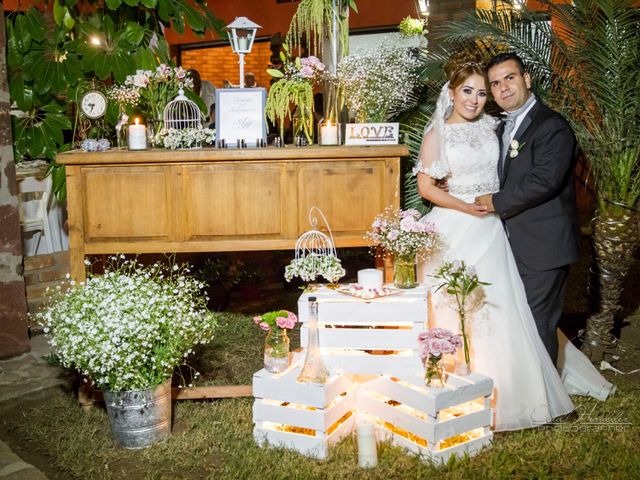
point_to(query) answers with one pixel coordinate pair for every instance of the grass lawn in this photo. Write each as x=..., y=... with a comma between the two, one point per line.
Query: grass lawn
x=213, y=439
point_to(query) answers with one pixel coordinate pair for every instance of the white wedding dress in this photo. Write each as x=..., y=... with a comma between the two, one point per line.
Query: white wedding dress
x=528, y=391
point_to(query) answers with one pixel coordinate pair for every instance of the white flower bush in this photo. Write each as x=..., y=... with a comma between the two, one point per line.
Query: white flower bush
x=129, y=328
x=378, y=83
x=313, y=265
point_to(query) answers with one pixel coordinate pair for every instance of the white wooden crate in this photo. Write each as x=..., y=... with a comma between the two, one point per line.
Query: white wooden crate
x=368, y=337
x=305, y=417
x=434, y=422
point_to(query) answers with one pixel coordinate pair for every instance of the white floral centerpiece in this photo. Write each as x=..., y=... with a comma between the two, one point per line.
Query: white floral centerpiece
x=129, y=328
x=315, y=265
x=185, y=138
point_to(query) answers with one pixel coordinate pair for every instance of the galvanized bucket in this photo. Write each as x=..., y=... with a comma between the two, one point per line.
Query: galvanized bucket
x=140, y=418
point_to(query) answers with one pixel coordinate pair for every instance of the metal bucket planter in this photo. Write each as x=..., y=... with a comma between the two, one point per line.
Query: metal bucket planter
x=140, y=418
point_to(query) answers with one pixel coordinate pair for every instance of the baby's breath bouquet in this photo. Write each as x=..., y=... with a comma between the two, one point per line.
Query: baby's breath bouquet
x=129, y=328
x=185, y=138
x=377, y=83
x=314, y=265
x=402, y=232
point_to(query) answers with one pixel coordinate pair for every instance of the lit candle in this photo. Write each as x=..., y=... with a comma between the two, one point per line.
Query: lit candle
x=370, y=278
x=137, y=136
x=367, y=452
x=329, y=134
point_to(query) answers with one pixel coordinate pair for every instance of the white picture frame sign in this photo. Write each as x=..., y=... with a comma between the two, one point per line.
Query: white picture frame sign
x=240, y=115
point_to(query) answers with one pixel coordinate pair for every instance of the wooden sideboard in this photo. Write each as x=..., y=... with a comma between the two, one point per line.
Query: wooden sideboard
x=212, y=200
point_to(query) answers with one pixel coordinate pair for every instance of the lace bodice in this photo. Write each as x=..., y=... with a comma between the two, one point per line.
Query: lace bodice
x=472, y=152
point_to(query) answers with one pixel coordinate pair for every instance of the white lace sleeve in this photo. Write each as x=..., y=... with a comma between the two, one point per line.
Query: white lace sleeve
x=431, y=159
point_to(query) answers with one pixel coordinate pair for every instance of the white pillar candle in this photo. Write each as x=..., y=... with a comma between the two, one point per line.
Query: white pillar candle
x=243, y=43
x=137, y=136
x=329, y=134
x=367, y=451
x=370, y=278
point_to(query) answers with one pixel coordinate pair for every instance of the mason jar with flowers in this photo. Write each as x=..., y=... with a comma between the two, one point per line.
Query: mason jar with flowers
x=294, y=87
x=405, y=235
x=126, y=331
x=276, y=343
x=432, y=346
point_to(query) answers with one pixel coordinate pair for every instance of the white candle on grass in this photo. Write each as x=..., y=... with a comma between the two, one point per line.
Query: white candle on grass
x=137, y=136
x=367, y=451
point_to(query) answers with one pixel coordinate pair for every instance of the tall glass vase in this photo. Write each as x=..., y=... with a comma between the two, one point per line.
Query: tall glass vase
x=404, y=271
x=313, y=370
x=334, y=48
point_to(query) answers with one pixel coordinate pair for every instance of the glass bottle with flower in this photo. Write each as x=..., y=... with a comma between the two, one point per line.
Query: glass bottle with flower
x=276, y=343
x=460, y=280
x=294, y=86
x=125, y=97
x=405, y=235
x=432, y=346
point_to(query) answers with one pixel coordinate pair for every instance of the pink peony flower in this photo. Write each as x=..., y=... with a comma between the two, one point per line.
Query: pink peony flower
x=257, y=320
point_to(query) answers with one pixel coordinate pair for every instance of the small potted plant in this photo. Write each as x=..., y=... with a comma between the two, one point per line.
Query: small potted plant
x=276, y=343
x=126, y=331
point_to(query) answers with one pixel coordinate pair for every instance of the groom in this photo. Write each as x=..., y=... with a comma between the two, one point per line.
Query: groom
x=536, y=201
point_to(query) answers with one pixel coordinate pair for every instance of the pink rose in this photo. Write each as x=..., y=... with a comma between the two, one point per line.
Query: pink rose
x=265, y=326
x=257, y=320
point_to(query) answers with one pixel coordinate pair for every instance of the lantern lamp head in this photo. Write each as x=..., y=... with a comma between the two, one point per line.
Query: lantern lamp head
x=242, y=33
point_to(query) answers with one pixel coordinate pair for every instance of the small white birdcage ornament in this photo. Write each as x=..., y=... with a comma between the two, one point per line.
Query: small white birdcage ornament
x=182, y=113
x=315, y=254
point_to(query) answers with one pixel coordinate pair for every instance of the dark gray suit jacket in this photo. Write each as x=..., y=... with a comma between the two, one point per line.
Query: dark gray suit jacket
x=536, y=200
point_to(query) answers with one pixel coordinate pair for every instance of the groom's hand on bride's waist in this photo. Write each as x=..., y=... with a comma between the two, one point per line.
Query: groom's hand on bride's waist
x=486, y=200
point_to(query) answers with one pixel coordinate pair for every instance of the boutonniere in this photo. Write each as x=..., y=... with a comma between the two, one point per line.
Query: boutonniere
x=514, y=148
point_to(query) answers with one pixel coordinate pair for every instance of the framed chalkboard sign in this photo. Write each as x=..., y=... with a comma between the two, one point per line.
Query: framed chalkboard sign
x=240, y=116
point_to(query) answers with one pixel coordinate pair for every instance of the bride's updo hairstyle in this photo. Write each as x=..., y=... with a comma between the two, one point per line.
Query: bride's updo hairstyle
x=461, y=66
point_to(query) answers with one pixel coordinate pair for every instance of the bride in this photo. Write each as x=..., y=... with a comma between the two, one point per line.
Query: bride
x=460, y=145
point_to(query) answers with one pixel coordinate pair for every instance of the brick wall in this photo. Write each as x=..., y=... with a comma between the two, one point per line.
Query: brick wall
x=42, y=271
x=218, y=64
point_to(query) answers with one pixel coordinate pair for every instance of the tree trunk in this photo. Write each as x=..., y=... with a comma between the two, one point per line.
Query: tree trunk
x=616, y=237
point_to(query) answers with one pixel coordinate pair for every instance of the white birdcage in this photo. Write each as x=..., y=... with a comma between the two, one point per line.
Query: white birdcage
x=315, y=242
x=181, y=113
x=315, y=253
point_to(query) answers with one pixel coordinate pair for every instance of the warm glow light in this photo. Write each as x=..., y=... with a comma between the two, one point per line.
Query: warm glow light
x=94, y=40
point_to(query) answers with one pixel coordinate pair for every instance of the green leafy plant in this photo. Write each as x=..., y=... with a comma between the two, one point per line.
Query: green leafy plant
x=410, y=27
x=313, y=15
x=294, y=86
x=53, y=52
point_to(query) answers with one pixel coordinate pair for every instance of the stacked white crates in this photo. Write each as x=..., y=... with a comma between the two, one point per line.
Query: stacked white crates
x=371, y=350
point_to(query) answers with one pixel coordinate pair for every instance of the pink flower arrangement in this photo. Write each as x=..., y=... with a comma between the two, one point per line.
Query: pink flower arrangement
x=437, y=341
x=279, y=319
x=403, y=232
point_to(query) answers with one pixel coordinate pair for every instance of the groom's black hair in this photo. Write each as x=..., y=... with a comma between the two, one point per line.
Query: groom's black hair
x=504, y=57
